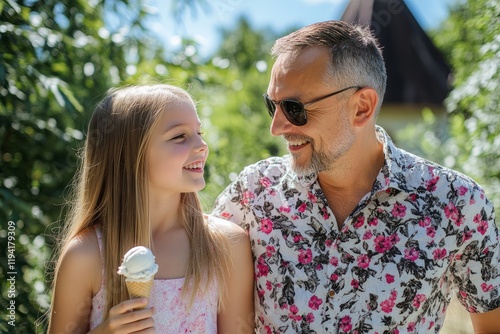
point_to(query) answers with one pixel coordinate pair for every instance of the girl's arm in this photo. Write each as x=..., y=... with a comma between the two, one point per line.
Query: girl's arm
x=77, y=280
x=237, y=315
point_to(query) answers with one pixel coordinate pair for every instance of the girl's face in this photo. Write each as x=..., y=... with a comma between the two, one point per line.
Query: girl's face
x=177, y=152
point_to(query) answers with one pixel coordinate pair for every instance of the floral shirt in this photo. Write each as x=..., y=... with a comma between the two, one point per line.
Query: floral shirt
x=422, y=233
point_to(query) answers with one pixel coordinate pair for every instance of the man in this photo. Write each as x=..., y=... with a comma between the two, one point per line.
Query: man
x=349, y=233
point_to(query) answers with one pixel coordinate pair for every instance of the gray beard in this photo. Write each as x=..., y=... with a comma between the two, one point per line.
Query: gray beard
x=320, y=162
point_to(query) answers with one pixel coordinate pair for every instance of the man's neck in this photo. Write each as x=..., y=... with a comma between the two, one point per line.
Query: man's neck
x=351, y=179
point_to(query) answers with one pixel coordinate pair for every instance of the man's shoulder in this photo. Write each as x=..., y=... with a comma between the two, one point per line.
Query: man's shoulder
x=269, y=165
x=420, y=171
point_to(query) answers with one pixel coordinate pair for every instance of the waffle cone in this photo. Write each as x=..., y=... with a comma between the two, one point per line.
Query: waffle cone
x=139, y=289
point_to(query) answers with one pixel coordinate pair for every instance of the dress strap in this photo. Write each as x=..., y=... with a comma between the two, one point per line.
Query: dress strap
x=101, y=251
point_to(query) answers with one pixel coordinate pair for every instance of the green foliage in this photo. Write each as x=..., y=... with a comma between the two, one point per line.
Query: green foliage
x=56, y=58
x=471, y=41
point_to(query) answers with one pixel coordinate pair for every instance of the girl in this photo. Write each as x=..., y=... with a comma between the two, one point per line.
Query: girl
x=142, y=166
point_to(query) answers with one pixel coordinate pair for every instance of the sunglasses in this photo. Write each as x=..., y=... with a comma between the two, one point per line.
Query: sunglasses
x=295, y=111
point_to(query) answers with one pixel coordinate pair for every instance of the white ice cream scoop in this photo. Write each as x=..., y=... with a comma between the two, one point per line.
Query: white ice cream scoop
x=138, y=264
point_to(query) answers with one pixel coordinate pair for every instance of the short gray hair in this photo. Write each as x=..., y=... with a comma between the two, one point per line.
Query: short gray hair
x=356, y=57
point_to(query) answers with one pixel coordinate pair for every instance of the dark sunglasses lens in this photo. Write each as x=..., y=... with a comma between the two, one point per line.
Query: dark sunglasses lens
x=271, y=108
x=295, y=112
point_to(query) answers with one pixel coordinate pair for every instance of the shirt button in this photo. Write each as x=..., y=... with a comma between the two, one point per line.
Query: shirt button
x=331, y=293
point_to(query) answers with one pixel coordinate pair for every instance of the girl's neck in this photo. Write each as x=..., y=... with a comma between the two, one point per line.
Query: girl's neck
x=164, y=213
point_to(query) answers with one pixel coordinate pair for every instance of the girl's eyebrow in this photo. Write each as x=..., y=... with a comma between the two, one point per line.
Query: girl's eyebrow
x=177, y=125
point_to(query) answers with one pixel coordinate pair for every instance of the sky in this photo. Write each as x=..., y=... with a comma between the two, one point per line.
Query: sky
x=277, y=15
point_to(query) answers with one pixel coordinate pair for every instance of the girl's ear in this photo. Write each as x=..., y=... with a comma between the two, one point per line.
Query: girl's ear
x=364, y=103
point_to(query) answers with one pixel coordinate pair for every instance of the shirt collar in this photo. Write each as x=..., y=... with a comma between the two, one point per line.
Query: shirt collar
x=391, y=174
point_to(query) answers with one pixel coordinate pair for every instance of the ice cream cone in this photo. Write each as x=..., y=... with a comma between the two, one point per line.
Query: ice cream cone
x=139, y=289
x=139, y=268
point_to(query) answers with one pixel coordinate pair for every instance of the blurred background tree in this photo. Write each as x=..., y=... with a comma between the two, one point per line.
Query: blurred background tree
x=470, y=39
x=57, y=58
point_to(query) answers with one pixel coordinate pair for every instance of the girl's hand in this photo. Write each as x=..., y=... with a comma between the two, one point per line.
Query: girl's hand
x=125, y=318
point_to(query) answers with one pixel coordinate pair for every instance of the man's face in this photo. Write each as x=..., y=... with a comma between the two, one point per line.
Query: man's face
x=328, y=133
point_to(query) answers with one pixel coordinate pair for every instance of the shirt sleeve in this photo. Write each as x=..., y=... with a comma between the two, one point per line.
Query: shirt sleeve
x=476, y=269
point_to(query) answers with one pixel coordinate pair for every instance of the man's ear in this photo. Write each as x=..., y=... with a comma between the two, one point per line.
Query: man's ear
x=364, y=103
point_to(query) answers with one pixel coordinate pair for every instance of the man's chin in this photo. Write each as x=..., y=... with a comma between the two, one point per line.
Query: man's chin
x=301, y=169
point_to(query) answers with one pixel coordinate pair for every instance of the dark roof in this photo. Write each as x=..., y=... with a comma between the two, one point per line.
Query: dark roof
x=416, y=70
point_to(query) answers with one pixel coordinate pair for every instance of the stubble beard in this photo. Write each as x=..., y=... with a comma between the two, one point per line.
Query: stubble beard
x=324, y=159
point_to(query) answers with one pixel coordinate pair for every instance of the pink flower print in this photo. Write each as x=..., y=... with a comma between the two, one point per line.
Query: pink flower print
x=269, y=285
x=373, y=222
x=380, y=244
x=411, y=327
x=418, y=300
x=363, y=261
x=431, y=184
x=431, y=232
x=315, y=302
x=266, y=225
x=360, y=221
x=394, y=295
x=439, y=253
x=355, y=284
x=477, y=218
x=334, y=261
x=297, y=238
x=394, y=238
x=247, y=196
x=486, y=287
x=309, y=318
x=293, y=315
x=270, y=250
x=334, y=277
x=462, y=190
x=383, y=244
x=399, y=210
x=265, y=182
x=389, y=278
x=463, y=294
x=311, y=197
x=483, y=227
x=302, y=207
x=284, y=208
x=305, y=256
x=226, y=215
x=326, y=215
x=451, y=211
x=345, y=323
x=262, y=270
x=425, y=222
x=413, y=197
x=411, y=254
x=328, y=242
x=368, y=235
x=387, y=305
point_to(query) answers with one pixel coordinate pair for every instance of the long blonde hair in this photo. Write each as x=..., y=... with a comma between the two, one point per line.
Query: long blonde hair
x=111, y=191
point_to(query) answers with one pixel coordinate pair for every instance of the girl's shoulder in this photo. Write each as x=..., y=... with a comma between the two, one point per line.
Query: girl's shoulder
x=229, y=228
x=82, y=255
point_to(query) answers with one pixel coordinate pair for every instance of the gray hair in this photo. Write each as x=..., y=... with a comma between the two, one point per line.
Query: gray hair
x=356, y=58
